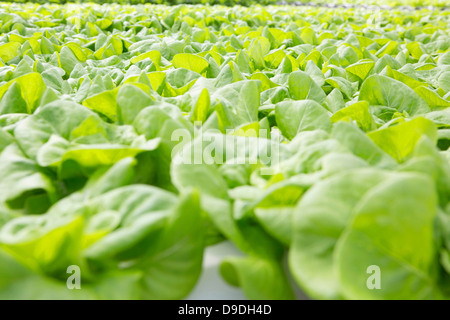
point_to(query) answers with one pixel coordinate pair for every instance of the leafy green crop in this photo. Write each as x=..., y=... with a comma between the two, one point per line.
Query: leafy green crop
x=392, y=3
x=133, y=137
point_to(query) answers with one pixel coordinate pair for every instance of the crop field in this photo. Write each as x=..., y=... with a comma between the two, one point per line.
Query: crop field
x=315, y=139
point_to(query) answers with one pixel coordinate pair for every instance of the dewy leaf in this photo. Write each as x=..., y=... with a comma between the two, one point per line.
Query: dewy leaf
x=191, y=62
x=302, y=86
x=399, y=140
x=404, y=253
x=296, y=116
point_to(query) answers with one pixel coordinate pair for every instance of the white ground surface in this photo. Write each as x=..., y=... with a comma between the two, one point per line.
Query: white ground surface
x=211, y=286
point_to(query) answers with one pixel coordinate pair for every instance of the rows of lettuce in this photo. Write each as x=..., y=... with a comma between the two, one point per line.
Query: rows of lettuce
x=349, y=166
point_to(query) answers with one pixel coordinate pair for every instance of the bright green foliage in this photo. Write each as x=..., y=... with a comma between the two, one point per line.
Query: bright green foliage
x=332, y=132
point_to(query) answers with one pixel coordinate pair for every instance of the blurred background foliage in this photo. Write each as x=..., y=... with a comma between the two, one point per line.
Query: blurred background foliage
x=392, y=3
